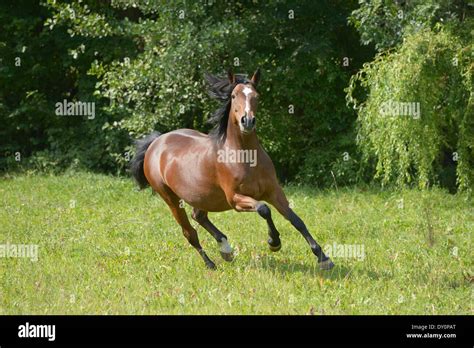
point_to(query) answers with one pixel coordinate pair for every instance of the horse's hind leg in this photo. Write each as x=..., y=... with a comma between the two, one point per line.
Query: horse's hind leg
x=201, y=217
x=279, y=201
x=180, y=215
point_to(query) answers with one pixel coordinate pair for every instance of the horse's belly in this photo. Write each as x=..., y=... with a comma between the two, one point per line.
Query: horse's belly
x=213, y=202
x=198, y=191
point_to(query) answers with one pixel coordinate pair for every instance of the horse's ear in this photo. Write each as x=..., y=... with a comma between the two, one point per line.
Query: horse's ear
x=231, y=76
x=256, y=77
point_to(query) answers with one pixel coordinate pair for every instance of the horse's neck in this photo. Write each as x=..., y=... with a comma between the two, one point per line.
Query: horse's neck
x=236, y=140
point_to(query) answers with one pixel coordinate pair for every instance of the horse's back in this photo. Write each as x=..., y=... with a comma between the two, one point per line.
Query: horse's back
x=182, y=145
x=184, y=136
x=180, y=142
x=191, y=133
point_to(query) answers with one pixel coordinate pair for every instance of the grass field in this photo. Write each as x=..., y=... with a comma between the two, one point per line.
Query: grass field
x=106, y=248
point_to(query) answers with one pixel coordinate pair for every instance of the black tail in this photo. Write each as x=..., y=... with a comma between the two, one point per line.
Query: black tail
x=136, y=164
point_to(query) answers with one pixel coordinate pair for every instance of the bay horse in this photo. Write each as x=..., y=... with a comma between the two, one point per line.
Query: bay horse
x=186, y=165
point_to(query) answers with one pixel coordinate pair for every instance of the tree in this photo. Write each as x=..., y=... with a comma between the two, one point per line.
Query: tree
x=303, y=120
x=428, y=67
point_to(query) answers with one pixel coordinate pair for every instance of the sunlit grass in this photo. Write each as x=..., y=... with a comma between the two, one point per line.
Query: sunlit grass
x=106, y=248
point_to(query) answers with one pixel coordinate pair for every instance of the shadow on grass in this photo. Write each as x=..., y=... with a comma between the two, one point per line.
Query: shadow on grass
x=287, y=267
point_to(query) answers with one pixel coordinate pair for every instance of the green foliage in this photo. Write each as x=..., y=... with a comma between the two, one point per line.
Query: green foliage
x=142, y=64
x=160, y=85
x=384, y=23
x=40, y=67
x=433, y=68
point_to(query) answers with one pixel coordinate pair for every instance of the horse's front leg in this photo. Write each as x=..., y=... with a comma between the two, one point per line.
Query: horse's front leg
x=245, y=203
x=279, y=201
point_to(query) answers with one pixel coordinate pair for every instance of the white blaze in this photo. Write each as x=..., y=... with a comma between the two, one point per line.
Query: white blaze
x=247, y=91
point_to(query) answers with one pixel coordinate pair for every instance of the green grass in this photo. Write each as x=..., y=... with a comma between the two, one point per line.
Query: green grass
x=105, y=248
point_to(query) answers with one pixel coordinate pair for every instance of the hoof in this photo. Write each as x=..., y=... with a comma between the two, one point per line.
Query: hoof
x=274, y=245
x=326, y=265
x=274, y=248
x=227, y=256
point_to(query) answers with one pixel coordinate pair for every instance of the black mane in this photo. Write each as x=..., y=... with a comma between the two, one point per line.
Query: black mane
x=221, y=89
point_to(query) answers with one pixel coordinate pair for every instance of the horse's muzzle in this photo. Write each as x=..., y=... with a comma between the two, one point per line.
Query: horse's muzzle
x=248, y=123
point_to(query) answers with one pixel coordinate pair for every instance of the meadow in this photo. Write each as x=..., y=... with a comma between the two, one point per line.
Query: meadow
x=106, y=248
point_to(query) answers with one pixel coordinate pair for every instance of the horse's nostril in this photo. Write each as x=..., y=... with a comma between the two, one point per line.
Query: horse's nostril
x=243, y=120
x=253, y=121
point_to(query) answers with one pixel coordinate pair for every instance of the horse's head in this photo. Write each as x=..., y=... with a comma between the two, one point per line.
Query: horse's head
x=244, y=100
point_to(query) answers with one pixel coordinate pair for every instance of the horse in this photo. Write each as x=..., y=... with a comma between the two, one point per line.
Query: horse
x=214, y=172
